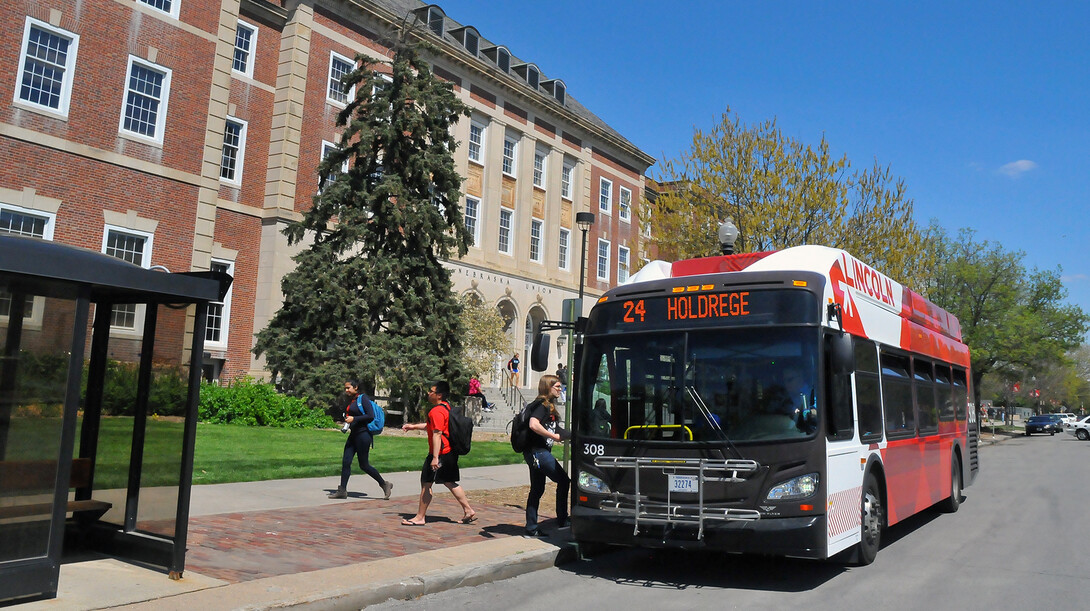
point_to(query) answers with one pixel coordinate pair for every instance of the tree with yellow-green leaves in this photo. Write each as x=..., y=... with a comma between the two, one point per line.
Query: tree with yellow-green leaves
x=484, y=341
x=780, y=193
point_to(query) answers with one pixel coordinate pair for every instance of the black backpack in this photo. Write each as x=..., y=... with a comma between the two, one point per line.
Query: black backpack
x=460, y=431
x=520, y=430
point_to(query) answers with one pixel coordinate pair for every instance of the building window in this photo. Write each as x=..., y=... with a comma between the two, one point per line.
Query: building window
x=327, y=148
x=605, y=196
x=473, y=211
x=559, y=92
x=219, y=312
x=146, y=95
x=506, y=217
x=564, y=256
x=472, y=42
x=603, y=260
x=510, y=150
x=535, y=239
x=533, y=77
x=48, y=58
x=19, y=221
x=539, y=169
x=339, y=66
x=503, y=60
x=435, y=21
x=625, y=204
x=170, y=7
x=622, y=264
x=476, y=142
x=245, y=41
x=234, y=142
x=134, y=247
x=565, y=180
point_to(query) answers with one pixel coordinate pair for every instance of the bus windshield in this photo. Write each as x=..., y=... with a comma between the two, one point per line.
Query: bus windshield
x=741, y=384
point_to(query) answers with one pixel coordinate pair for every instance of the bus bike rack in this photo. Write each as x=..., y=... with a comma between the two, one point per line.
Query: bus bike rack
x=668, y=513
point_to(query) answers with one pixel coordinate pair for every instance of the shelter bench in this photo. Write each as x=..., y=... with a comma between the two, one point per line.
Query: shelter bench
x=27, y=475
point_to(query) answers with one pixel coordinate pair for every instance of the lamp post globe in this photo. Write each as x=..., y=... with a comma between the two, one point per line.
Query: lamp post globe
x=584, y=220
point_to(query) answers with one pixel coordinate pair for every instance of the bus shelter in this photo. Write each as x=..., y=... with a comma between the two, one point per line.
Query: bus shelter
x=87, y=456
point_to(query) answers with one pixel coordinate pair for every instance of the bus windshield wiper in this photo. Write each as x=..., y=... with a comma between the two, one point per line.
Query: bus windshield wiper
x=710, y=418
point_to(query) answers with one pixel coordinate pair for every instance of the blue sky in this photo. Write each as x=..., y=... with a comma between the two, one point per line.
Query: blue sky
x=983, y=107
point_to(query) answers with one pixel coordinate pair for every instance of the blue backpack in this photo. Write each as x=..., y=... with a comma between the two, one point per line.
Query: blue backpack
x=375, y=426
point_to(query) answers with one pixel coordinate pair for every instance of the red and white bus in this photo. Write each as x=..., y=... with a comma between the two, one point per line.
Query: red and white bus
x=790, y=403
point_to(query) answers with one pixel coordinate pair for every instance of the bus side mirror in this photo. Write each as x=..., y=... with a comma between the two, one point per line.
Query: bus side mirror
x=841, y=353
x=539, y=354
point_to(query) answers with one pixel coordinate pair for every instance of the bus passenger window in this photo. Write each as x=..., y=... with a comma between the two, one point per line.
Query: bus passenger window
x=868, y=391
x=897, y=396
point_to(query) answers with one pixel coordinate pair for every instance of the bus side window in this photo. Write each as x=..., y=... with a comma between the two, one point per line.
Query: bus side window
x=897, y=396
x=839, y=423
x=945, y=392
x=868, y=391
x=923, y=383
x=961, y=393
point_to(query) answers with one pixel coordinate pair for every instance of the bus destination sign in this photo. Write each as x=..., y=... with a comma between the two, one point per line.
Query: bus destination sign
x=706, y=309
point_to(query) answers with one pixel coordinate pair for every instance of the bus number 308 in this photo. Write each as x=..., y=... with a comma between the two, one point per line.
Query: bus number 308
x=594, y=449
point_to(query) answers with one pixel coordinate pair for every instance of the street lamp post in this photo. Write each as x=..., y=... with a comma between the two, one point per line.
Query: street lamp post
x=584, y=220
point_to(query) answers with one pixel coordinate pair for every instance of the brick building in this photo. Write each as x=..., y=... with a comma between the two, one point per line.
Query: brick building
x=186, y=134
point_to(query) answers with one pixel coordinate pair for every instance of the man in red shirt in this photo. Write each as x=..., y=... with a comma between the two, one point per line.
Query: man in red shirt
x=441, y=465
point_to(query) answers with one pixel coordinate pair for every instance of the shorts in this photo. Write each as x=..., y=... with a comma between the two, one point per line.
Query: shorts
x=447, y=473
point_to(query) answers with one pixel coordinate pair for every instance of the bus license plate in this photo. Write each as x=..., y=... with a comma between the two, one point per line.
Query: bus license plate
x=683, y=483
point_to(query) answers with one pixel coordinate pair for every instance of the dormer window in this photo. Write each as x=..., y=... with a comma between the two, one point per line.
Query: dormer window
x=501, y=56
x=556, y=88
x=530, y=73
x=469, y=38
x=433, y=16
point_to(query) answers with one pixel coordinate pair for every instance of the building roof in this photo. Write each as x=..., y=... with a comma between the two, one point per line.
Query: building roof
x=571, y=104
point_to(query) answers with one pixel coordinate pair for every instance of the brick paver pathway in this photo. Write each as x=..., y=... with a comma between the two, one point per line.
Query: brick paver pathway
x=239, y=547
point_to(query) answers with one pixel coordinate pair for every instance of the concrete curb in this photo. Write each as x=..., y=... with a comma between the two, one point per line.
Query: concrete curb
x=359, y=585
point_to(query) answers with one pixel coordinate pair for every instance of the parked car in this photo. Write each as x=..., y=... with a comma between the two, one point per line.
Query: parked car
x=1080, y=428
x=1046, y=423
x=1068, y=418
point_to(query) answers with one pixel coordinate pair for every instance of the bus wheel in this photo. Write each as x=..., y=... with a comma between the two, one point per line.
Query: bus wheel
x=872, y=523
x=951, y=504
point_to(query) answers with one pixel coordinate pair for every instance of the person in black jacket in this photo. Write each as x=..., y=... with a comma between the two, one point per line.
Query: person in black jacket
x=545, y=431
x=357, y=416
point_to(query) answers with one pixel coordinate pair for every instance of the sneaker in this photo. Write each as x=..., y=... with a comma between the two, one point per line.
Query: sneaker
x=341, y=493
x=386, y=488
x=562, y=523
x=534, y=533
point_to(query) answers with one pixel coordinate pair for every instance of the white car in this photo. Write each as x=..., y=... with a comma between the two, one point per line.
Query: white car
x=1068, y=418
x=1080, y=428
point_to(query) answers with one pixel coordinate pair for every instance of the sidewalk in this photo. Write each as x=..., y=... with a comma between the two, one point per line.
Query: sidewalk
x=282, y=543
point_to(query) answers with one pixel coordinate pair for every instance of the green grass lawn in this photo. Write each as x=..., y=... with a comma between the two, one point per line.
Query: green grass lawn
x=232, y=453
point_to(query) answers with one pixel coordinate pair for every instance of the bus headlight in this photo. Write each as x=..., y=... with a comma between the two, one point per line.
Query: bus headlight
x=591, y=483
x=797, y=488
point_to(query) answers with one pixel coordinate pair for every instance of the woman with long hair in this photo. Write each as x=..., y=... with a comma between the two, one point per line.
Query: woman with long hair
x=357, y=416
x=545, y=426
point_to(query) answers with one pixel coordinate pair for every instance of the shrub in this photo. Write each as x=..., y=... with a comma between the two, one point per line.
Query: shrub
x=246, y=401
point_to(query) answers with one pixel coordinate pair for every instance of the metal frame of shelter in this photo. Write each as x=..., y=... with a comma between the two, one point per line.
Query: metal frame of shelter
x=71, y=280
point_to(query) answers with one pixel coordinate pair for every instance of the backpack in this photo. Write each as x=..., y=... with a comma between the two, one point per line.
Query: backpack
x=520, y=430
x=375, y=426
x=460, y=431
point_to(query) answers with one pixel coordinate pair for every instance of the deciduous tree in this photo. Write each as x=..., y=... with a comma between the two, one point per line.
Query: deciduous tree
x=781, y=193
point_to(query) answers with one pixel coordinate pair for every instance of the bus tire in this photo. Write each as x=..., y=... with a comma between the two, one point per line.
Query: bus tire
x=951, y=504
x=872, y=522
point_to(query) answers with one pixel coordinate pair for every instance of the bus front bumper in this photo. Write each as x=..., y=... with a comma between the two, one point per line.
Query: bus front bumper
x=799, y=537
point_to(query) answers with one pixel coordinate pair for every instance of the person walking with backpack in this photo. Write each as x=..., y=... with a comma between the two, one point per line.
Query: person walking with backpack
x=357, y=416
x=441, y=464
x=545, y=430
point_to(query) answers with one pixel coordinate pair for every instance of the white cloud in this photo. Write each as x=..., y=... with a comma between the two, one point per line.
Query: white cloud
x=1015, y=169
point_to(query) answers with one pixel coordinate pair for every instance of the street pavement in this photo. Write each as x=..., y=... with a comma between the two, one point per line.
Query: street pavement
x=283, y=544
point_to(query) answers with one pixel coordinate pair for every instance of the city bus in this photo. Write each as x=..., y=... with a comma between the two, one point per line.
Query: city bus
x=791, y=403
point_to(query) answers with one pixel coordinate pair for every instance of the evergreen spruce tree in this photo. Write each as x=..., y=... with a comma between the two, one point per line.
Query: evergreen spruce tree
x=369, y=296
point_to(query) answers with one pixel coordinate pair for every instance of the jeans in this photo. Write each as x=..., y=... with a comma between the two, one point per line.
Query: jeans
x=543, y=464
